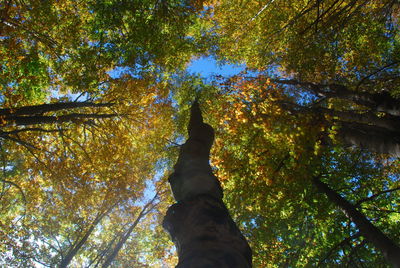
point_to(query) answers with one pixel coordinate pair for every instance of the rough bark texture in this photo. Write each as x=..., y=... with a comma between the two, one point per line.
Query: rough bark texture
x=199, y=223
x=389, y=249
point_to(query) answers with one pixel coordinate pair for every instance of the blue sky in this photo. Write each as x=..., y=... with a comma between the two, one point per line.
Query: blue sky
x=207, y=66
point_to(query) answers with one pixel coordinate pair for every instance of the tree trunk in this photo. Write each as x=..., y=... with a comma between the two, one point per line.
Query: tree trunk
x=378, y=102
x=366, y=130
x=125, y=235
x=373, y=138
x=389, y=249
x=78, y=244
x=50, y=107
x=388, y=122
x=199, y=223
x=42, y=119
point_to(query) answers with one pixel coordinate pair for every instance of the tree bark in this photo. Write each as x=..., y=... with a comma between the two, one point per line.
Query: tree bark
x=377, y=102
x=389, y=249
x=41, y=119
x=373, y=138
x=199, y=223
x=50, y=107
x=366, y=130
x=387, y=122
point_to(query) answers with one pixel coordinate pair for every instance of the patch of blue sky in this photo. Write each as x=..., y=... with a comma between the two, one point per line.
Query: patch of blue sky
x=119, y=71
x=150, y=189
x=208, y=67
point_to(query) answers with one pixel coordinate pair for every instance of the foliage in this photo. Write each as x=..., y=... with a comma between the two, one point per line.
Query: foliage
x=266, y=156
x=314, y=40
x=95, y=102
x=68, y=46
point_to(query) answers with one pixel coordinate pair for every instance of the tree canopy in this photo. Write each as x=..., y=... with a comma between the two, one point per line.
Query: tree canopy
x=95, y=98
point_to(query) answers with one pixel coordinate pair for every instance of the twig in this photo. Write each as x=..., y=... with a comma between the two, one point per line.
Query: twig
x=376, y=195
x=374, y=73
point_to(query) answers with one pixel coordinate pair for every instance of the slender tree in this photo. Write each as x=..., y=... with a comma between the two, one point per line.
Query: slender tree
x=34, y=118
x=125, y=235
x=66, y=260
x=199, y=223
x=389, y=249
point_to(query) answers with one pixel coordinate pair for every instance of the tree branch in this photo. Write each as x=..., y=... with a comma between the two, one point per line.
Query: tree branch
x=375, y=195
x=50, y=107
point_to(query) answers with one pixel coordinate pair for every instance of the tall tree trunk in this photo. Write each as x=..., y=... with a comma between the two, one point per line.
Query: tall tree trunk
x=50, y=107
x=78, y=244
x=373, y=138
x=125, y=235
x=389, y=249
x=366, y=130
x=387, y=122
x=199, y=223
x=378, y=102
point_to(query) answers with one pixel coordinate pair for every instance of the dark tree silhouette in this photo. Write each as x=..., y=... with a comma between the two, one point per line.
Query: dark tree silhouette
x=199, y=223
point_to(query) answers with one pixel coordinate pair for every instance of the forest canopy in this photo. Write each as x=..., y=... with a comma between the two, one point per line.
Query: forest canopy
x=95, y=99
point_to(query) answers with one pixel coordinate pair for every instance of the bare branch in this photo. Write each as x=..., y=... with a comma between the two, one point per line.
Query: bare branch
x=375, y=72
x=21, y=142
x=50, y=107
x=16, y=131
x=376, y=195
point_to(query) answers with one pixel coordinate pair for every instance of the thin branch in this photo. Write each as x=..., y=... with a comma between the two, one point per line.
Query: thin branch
x=146, y=209
x=375, y=72
x=82, y=148
x=295, y=18
x=319, y=16
x=388, y=211
x=376, y=195
x=261, y=10
x=52, y=246
x=28, y=129
x=58, y=244
x=21, y=142
x=355, y=252
x=39, y=161
x=16, y=186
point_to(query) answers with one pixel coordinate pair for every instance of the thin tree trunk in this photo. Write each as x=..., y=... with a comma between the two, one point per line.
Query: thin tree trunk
x=199, y=223
x=78, y=245
x=42, y=119
x=50, y=107
x=389, y=249
x=110, y=258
